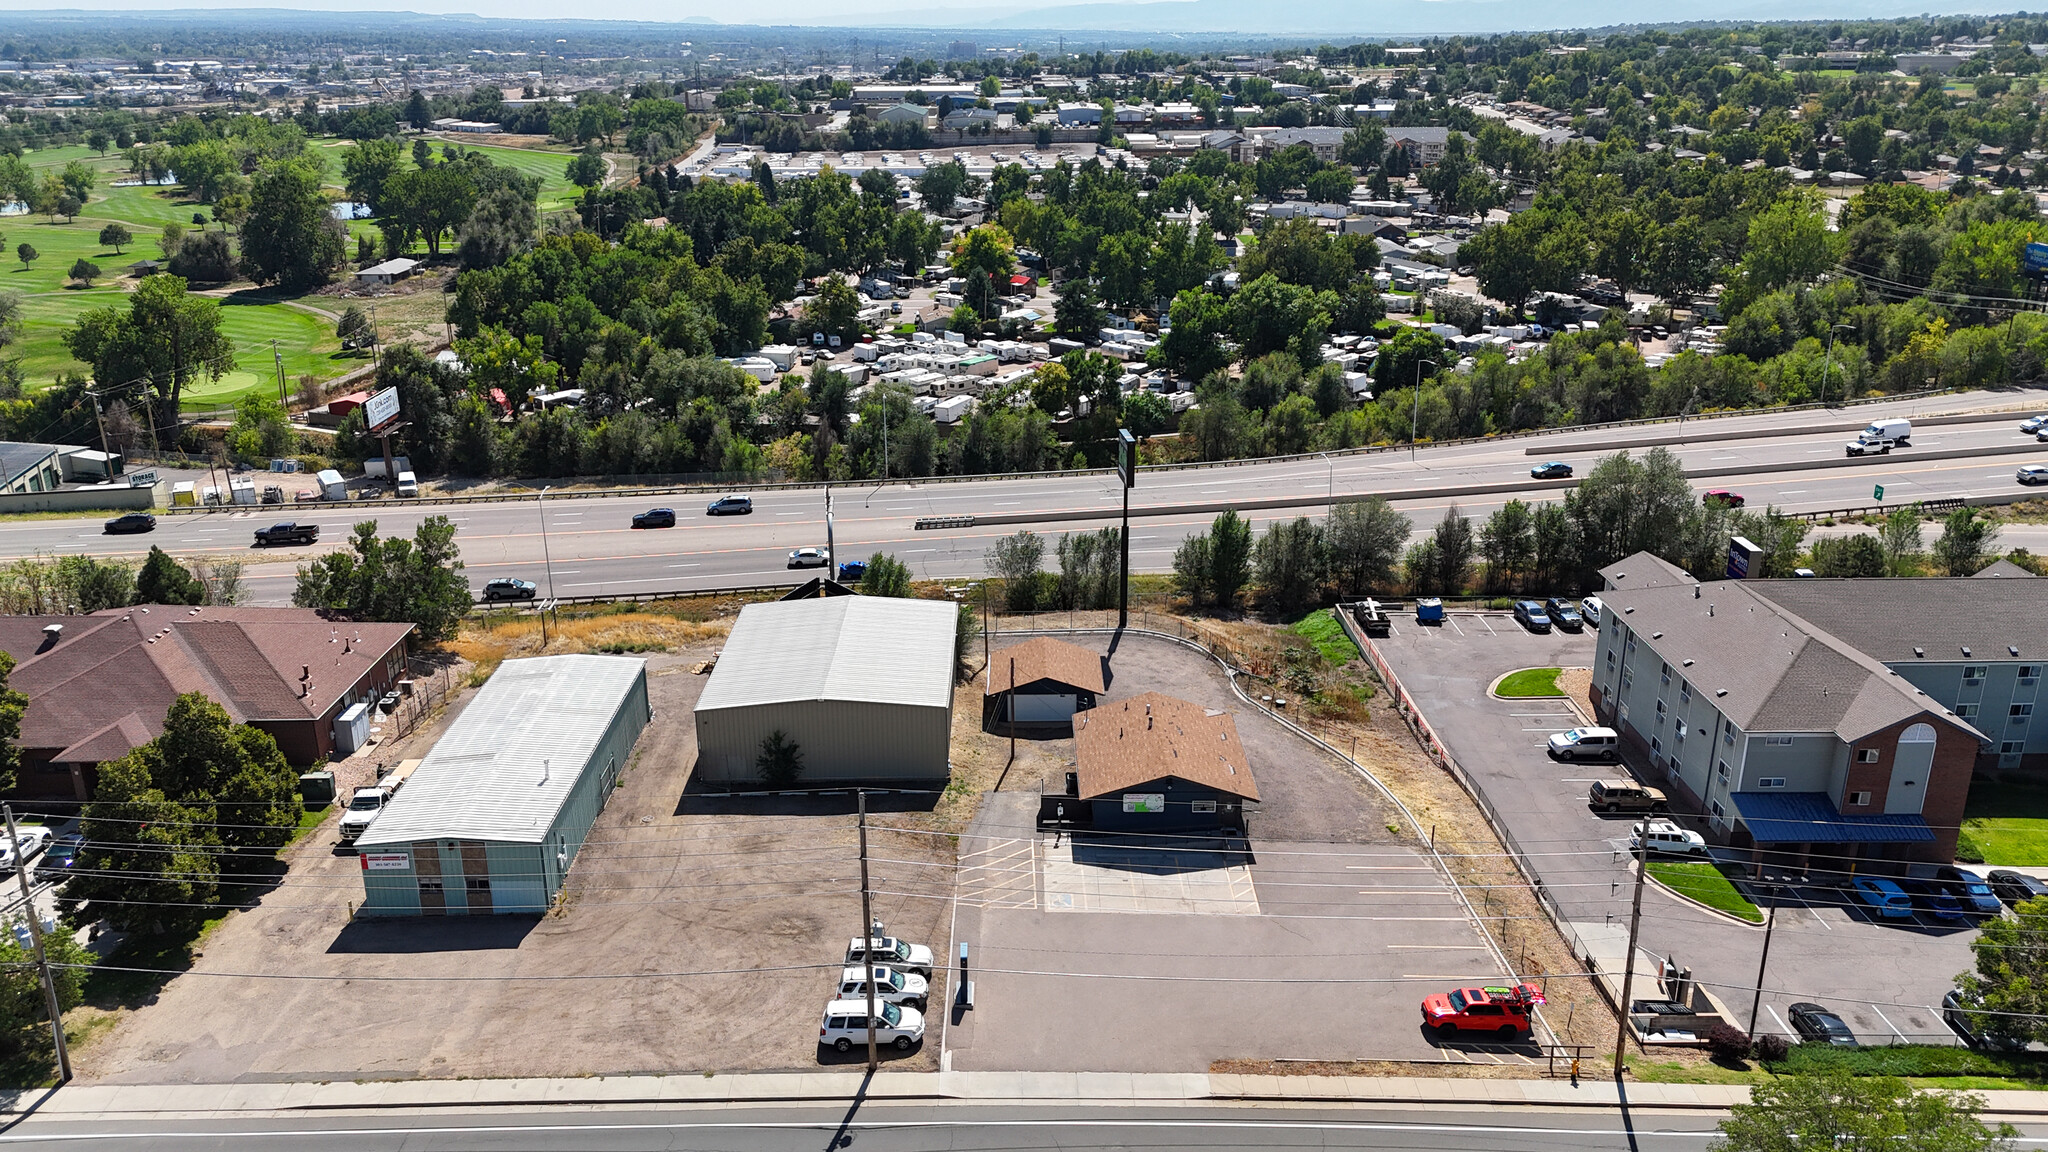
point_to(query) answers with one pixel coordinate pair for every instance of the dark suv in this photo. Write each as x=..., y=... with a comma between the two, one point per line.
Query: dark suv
x=506, y=588
x=656, y=518
x=1564, y=614
x=730, y=506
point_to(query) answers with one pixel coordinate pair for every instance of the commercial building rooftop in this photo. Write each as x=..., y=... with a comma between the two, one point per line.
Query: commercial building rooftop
x=868, y=649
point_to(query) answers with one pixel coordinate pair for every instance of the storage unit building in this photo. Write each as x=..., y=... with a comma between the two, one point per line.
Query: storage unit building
x=1039, y=685
x=494, y=816
x=863, y=685
x=1154, y=763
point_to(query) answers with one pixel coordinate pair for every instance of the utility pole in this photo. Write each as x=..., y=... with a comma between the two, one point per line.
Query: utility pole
x=867, y=925
x=546, y=560
x=282, y=399
x=1415, y=415
x=35, y=939
x=1628, y=964
x=1769, y=923
x=1127, y=470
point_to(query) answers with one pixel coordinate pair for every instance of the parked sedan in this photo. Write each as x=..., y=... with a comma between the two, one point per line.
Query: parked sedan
x=1884, y=898
x=1553, y=470
x=1818, y=1025
x=809, y=558
x=2032, y=474
x=730, y=506
x=1529, y=614
x=656, y=518
x=132, y=522
x=1955, y=1013
x=1974, y=893
x=1933, y=899
x=1564, y=614
x=506, y=588
x=59, y=858
x=2016, y=888
x=33, y=838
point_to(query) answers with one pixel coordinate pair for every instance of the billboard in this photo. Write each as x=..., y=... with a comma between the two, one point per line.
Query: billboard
x=381, y=410
x=1743, y=558
x=2037, y=257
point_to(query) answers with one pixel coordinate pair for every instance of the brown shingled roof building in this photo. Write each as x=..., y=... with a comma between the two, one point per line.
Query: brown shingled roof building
x=1040, y=684
x=99, y=685
x=1154, y=762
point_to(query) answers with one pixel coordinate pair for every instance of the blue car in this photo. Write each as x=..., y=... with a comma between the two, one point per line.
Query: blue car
x=1884, y=898
x=1975, y=894
x=1934, y=899
x=851, y=571
x=1554, y=470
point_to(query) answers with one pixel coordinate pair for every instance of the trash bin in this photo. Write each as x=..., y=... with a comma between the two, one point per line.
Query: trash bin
x=316, y=789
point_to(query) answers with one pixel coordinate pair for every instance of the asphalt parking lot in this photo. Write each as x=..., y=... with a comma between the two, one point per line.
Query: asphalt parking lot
x=1319, y=943
x=1582, y=860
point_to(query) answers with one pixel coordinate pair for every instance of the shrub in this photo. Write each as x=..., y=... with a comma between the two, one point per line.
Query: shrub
x=1727, y=1042
x=1770, y=1048
x=780, y=761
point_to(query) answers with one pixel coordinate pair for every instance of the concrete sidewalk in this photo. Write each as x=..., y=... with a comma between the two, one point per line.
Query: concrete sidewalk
x=190, y=1100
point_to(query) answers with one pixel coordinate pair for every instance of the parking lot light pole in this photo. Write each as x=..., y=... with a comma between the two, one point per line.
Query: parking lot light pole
x=1628, y=964
x=1770, y=922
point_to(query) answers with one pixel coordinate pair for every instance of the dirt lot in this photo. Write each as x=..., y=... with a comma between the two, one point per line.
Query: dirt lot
x=670, y=884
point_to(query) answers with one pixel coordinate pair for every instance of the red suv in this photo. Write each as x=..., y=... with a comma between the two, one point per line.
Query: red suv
x=1504, y=1011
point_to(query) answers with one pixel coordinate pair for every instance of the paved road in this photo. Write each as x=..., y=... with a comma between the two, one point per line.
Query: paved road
x=594, y=551
x=892, y=1127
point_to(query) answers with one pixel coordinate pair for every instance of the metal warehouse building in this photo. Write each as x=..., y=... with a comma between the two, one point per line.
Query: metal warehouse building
x=495, y=814
x=863, y=685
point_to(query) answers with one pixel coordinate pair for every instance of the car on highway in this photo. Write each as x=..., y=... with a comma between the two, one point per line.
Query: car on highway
x=1883, y=897
x=1816, y=1024
x=131, y=523
x=1667, y=837
x=2016, y=888
x=1499, y=1010
x=1934, y=899
x=730, y=506
x=655, y=518
x=2032, y=474
x=2033, y=424
x=1553, y=470
x=1529, y=614
x=1592, y=608
x=1976, y=895
x=1724, y=497
x=846, y=1024
x=809, y=558
x=33, y=838
x=287, y=532
x=1602, y=744
x=507, y=588
x=851, y=571
x=1564, y=614
x=1866, y=445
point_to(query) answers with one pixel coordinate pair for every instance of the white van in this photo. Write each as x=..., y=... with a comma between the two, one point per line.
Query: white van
x=408, y=485
x=846, y=1024
x=1881, y=437
x=1586, y=744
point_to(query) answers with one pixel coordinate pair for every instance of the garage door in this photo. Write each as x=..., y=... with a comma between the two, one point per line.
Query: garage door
x=1032, y=709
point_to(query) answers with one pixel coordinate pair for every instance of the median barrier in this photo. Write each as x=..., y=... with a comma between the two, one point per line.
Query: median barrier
x=2001, y=415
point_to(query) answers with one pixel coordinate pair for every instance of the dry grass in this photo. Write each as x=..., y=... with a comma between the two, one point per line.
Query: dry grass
x=485, y=644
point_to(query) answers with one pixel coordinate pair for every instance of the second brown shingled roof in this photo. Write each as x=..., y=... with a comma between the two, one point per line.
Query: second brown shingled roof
x=1044, y=658
x=1149, y=737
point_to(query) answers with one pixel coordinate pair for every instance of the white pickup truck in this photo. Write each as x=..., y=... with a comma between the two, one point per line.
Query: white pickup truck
x=366, y=803
x=890, y=951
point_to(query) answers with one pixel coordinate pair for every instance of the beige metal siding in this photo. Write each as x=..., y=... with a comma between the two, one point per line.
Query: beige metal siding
x=842, y=741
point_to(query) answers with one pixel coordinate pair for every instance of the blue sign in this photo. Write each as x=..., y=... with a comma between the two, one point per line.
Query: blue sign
x=2037, y=257
x=1743, y=558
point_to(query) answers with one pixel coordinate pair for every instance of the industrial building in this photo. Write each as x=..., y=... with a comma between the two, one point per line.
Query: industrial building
x=494, y=816
x=863, y=685
x=1154, y=763
x=1039, y=685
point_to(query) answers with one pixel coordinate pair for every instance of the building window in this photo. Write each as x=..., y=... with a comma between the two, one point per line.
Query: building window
x=1966, y=711
x=1720, y=813
x=1974, y=673
x=1656, y=745
x=1628, y=680
x=2012, y=747
x=1664, y=676
x=1866, y=755
x=1785, y=741
x=1631, y=645
x=2021, y=711
x=478, y=884
x=2029, y=673
x=1624, y=707
x=1859, y=799
x=1684, y=693
x=428, y=887
x=1678, y=730
x=1610, y=657
x=1661, y=708
x=1728, y=737
x=1771, y=782
x=1724, y=772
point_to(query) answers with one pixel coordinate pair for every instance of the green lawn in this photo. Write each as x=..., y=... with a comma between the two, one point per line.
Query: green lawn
x=1530, y=682
x=2008, y=824
x=1707, y=883
x=1323, y=630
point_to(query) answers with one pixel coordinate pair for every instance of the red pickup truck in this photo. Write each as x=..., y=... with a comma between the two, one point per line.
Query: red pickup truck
x=1504, y=1011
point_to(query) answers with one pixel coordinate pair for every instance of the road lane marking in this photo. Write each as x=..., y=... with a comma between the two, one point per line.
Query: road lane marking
x=686, y=565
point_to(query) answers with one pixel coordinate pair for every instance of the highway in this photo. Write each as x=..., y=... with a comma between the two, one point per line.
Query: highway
x=589, y=547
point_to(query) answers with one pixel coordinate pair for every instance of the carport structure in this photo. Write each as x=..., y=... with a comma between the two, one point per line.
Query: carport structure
x=1039, y=685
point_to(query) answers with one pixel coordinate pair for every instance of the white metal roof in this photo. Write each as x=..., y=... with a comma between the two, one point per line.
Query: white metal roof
x=503, y=769
x=868, y=649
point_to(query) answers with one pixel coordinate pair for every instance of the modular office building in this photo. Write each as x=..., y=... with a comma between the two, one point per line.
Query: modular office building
x=495, y=814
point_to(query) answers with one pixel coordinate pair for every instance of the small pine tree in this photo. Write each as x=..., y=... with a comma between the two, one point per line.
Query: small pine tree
x=780, y=761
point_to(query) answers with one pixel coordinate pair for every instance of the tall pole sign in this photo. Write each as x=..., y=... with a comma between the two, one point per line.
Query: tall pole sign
x=1127, y=470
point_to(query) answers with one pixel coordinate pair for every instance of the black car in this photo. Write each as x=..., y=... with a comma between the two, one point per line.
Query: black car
x=1956, y=1016
x=2016, y=888
x=132, y=522
x=1554, y=470
x=730, y=506
x=59, y=858
x=1818, y=1025
x=506, y=588
x=1564, y=614
x=656, y=518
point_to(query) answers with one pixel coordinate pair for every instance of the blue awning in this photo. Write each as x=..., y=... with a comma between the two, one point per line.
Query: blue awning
x=1810, y=818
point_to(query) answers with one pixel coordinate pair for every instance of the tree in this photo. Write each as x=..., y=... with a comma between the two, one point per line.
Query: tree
x=1191, y=564
x=586, y=170
x=1363, y=146
x=163, y=335
x=83, y=271
x=1967, y=543
x=1451, y=546
x=165, y=581
x=1508, y=542
x=1016, y=561
x=835, y=311
x=500, y=227
x=392, y=579
x=366, y=168
x=1076, y=313
x=206, y=258
x=13, y=705
x=1858, y=555
x=2007, y=994
x=1230, y=549
x=416, y=113
x=1788, y=243
x=886, y=576
x=355, y=330
x=1900, y=535
x=1626, y=505
x=780, y=762
x=1267, y=315
x=941, y=185
x=27, y=253
x=1839, y=1110
x=1542, y=249
x=1365, y=539
x=1193, y=347
x=115, y=235
x=291, y=237
x=984, y=257
x=1293, y=560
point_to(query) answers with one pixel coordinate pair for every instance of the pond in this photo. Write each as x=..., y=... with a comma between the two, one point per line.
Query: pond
x=169, y=179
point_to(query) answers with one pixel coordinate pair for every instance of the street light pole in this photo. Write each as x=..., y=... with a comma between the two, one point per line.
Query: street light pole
x=546, y=559
x=1828, y=368
x=1769, y=924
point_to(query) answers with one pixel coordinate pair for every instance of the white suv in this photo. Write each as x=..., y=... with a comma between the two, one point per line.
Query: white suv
x=846, y=1024
x=1602, y=744
x=891, y=986
x=1666, y=836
